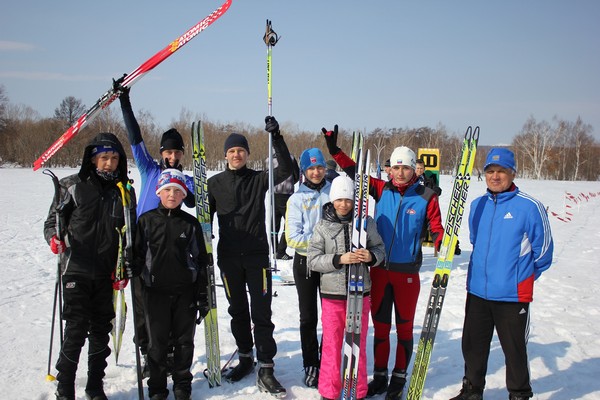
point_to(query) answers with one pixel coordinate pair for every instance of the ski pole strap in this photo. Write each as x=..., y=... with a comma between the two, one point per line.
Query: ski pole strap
x=270, y=37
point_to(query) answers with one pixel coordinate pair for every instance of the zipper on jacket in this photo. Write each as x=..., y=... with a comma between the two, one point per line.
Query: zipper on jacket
x=389, y=251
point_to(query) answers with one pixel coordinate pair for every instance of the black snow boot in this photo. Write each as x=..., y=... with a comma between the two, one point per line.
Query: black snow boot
x=95, y=395
x=65, y=391
x=469, y=392
x=267, y=383
x=518, y=397
x=379, y=384
x=245, y=367
x=396, y=386
x=311, y=377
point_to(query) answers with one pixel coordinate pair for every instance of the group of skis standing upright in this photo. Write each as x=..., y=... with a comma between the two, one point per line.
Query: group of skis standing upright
x=167, y=260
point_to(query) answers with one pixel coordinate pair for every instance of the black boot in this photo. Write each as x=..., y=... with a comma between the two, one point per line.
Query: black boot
x=396, y=386
x=379, y=384
x=65, y=394
x=311, y=377
x=267, y=383
x=518, y=397
x=95, y=395
x=469, y=392
x=245, y=367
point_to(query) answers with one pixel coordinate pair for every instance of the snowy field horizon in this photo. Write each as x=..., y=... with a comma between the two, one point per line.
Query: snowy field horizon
x=564, y=343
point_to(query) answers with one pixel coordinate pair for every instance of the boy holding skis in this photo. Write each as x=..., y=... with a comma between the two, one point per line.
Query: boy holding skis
x=404, y=209
x=92, y=215
x=170, y=247
x=329, y=253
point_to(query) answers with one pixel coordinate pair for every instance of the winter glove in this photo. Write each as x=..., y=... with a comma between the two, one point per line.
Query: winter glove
x=57, y=246
x=272, y=126
x=331, y=140
x=120, y=285
x=202, y=307
x=175, y=165
x=118, y=88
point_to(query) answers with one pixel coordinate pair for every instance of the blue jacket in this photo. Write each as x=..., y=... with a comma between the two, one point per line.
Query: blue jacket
x=512, y=246
x=150, y=170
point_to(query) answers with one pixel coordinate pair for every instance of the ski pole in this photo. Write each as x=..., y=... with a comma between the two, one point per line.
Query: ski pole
x=271, y=40
x=58, y=283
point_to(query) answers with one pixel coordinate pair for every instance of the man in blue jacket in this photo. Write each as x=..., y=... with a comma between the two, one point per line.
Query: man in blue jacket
x=512, y=246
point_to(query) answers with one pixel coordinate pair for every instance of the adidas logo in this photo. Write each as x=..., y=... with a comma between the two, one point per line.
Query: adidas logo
x=183, y=235
x=522, y=311
x=508, y=215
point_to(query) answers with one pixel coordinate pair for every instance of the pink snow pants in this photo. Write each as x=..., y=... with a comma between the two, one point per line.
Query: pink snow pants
x=333, y=320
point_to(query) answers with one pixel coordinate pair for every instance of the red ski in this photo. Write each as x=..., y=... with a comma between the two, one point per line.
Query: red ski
x=107, y=98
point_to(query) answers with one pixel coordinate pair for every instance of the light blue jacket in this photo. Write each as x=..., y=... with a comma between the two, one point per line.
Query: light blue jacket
x=512, y=246
x=304, y=210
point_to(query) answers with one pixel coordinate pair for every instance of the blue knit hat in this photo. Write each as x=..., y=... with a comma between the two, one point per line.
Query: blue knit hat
x=311, y=158
x=502, y=157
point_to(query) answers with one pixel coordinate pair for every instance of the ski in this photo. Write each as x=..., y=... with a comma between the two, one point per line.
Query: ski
x=127, y=81
x=211, y=328
x=127, y=252
x=443, y=264
x=119, y=304
x=356, y=273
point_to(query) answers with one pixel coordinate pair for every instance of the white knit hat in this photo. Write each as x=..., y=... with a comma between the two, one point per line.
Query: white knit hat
x=403, y=156
x=342, y=187
x=171, y=177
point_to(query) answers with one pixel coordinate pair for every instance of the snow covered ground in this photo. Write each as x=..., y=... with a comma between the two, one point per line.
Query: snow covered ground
x=564, y=346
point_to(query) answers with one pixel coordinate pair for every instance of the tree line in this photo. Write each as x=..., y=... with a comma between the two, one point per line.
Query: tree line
x=559, y=149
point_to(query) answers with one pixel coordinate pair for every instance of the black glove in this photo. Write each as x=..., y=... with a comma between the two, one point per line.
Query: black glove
x=331, y=140
x=130, y=270
x=175, y=165
x=272, y=126
x=203, y=309
x=117, y=86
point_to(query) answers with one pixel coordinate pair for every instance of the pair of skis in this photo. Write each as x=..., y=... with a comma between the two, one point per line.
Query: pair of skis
x=444, y=264
x=356, y=274
x=127, y=81
x=211, y=328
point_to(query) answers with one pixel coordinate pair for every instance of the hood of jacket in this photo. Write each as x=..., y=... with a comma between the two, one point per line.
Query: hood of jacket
x=103, y=139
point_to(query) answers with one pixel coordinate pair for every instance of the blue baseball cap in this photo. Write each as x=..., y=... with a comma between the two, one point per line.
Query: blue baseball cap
x=502, y=157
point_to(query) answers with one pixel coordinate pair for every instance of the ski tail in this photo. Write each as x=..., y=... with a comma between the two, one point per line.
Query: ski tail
x=111, y=95
x=211, y=327
x=444, y=264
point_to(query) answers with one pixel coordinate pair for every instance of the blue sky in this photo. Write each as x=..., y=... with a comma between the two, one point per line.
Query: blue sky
x=360, y=64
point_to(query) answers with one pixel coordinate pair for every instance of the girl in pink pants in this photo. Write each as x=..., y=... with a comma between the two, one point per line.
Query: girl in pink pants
x=329, y=253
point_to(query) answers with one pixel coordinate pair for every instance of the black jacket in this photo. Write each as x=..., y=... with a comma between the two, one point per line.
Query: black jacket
x=169, y=250
x=238, y=198
x=91, y=215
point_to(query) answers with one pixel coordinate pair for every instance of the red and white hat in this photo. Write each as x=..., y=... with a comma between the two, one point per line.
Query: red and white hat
x=171, y=178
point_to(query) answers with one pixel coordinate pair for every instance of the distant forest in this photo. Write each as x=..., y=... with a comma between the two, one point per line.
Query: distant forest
x=557, y=149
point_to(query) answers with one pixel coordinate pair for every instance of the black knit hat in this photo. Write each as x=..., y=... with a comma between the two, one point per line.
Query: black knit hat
x=236, y=140
x=171, y=140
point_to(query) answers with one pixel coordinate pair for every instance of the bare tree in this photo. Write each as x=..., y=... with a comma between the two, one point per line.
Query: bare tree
x=535, y=141
x=69, y=110
x=3, y=105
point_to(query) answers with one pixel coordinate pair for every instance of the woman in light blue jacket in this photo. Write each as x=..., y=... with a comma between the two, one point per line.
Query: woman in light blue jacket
x=304, y=209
